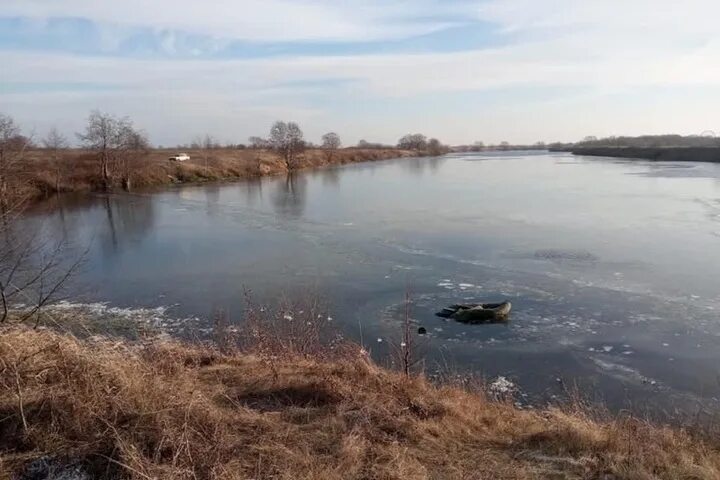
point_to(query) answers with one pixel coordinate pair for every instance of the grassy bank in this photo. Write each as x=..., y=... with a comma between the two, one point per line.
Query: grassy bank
x=162, y=409
x=79, y=170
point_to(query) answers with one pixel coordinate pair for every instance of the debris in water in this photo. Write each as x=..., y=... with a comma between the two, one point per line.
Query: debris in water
x=502, y=385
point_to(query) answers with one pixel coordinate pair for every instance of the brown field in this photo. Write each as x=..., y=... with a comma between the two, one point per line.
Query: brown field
x=78, y=170
x=167, y=410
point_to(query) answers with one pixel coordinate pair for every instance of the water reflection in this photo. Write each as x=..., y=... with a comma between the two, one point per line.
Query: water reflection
x=419, y=166
x=128, y=222
x=212, y=198
x=330, y=177
x=253, y=190
x=290, y=195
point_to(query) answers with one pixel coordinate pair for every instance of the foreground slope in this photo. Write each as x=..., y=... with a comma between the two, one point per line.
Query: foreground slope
x=109, y=409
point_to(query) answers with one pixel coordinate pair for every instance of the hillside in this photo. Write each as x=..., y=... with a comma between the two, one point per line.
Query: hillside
x=101, y=408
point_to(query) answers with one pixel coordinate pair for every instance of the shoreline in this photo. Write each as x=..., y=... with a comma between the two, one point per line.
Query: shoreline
x=658, y=154
x=76, y=170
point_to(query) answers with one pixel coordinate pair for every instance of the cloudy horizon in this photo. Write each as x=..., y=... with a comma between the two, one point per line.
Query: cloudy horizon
x=490, y=70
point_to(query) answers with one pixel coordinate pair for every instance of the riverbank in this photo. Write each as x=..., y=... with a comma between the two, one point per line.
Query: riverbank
x=667, y=154
x=78, y=170
x=163, y=409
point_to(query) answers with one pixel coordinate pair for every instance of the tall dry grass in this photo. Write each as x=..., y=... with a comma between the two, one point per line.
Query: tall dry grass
x=78, y=170
x=164, y=409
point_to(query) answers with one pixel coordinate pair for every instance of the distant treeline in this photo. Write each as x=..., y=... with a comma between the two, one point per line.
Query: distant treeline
x=651, y=141
x=502, y=146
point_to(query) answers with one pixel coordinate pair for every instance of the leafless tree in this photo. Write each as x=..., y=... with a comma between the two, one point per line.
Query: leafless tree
x=13, y=146
x=287, y=140
x=258, y=142
x=55, y=142
x=102, y=135
x=33, y=271
x=413, y=141
x=371, y=145
x=134, y=145
x=330, y=143
x=208, y=143
x=435, y=148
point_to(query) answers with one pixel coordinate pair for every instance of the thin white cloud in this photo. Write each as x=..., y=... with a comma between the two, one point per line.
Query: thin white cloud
x=256, y=20
x=602, y=48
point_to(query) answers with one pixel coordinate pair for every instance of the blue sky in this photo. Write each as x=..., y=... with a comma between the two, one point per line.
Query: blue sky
x=464, y=70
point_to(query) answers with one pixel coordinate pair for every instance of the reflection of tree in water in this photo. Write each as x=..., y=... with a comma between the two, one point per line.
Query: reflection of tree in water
x=119, y=219
x=434, y=163
x=253, y=190
x=128, y=220
x=418, y=166
x=212, y=199
x=330, y=176
x=289, y=198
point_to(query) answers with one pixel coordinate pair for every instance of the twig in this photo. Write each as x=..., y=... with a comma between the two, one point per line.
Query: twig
x=20, y=399
x=128, y=467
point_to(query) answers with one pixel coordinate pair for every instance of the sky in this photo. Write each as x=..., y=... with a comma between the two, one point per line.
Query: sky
x=460, y=70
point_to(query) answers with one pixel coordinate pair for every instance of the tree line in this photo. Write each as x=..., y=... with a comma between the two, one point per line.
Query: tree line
x=119, y=146
x=652, y=141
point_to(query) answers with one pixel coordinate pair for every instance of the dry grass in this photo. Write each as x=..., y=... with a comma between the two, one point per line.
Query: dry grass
x=78, y=169
x=169, y=410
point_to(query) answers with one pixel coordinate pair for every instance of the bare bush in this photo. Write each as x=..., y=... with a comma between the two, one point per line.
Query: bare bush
x=408, y=351
x=291, y=328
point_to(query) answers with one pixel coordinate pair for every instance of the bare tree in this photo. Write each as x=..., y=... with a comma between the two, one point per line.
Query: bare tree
x=13, y=146
x=102, y=135
x=477, y=146
x=435, y=148
x=287, y=140
x=413, y=141
x=330, y=143
x=207, y=143
x=55, y=142
x=32, y=271
x=133, y=145
x=371, y=145
x=258, y=142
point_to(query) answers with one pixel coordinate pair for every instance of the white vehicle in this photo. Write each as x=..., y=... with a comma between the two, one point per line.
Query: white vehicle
x=180, y=157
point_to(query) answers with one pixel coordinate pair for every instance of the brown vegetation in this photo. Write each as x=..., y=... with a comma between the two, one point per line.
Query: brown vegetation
x=154, y=169
x=163, y=409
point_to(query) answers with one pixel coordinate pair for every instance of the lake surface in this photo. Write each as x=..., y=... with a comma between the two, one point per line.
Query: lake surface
x=612, y=266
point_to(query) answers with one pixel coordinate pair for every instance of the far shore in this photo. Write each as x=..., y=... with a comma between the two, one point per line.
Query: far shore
x=77, y=170
x=667, y=154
